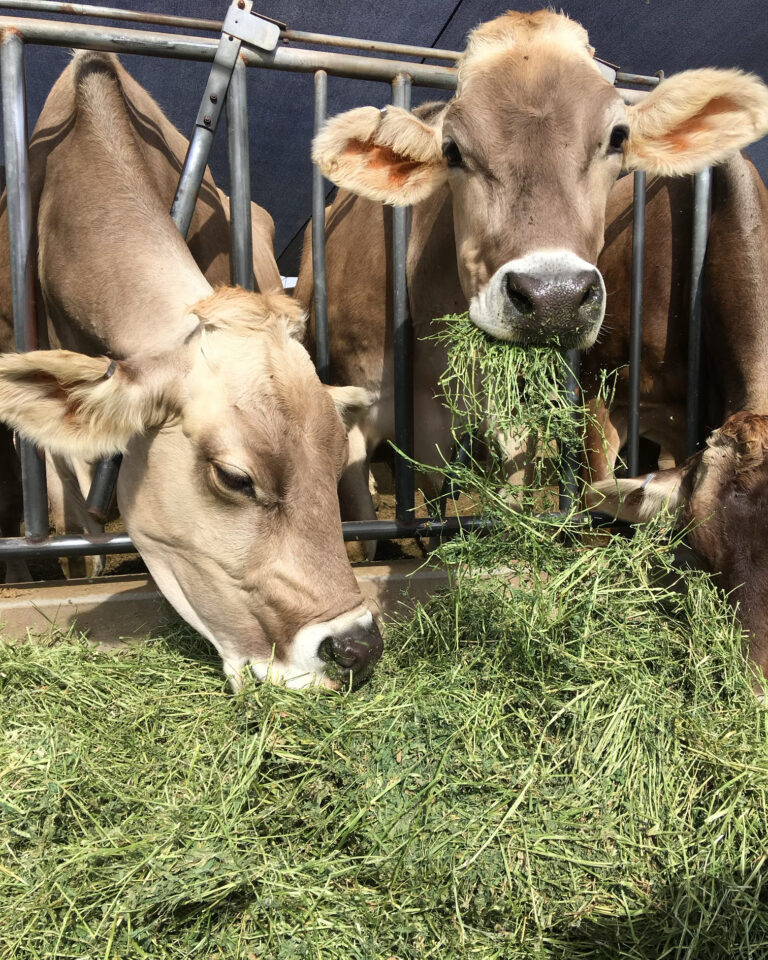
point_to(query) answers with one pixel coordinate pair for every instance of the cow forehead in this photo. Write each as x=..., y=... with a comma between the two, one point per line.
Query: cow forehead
x=515, y=87
x=256, y=392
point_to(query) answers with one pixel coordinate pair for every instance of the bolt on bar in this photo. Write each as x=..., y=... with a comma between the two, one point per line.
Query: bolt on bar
x=636, y=324
x=12, y=73
x=240, y=180
x=402, y=333
x=702, y=184
x=322, y=350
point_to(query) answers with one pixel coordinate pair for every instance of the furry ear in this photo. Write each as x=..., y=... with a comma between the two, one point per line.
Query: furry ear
x=76, y=405
x=243, y=313
x=352, y=403
x=386, y=155
x=640, y=499
x=696, y=119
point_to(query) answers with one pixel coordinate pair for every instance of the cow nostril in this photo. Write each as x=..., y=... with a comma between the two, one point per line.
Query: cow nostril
x=522, y=304
x=591, y=295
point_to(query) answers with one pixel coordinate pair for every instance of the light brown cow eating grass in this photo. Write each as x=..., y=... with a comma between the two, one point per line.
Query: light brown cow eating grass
x=509, y=182
x=233, y=448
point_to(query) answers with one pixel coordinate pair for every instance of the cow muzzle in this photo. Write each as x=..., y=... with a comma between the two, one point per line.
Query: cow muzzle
x=546, y=298
x=343, y=651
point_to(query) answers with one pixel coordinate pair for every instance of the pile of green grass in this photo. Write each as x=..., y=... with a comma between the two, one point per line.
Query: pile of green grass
x=561, y=757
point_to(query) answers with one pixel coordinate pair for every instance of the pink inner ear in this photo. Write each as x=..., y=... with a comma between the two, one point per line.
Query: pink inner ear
x=379, y=157
x=680, y=139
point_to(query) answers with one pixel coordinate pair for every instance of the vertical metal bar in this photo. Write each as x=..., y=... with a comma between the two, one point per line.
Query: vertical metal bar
x=702, y=184
x=322, y=350
x=636, y=325
x=191, y=178
x=402, y=333
x=14, y=97
x=569, y=455
x=240, y=179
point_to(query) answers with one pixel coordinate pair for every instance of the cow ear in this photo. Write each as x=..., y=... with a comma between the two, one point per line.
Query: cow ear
x=640, y=499
x=386, y=155
x=76, y=405
x=695, y=119
x=352, y=404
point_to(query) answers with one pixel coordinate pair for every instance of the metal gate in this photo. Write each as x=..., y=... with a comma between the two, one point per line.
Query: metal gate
x=255, y=39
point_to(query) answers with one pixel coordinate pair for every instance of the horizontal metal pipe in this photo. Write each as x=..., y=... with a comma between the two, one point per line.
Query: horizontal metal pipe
x=114, y=13
x=69, y=546
x=124, y=40
x=377, y=46
x=622, y=77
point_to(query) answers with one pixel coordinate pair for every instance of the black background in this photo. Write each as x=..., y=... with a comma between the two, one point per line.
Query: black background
x=641, y=36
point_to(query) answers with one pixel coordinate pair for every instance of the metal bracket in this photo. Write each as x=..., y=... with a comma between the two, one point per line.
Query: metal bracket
x=240, y=25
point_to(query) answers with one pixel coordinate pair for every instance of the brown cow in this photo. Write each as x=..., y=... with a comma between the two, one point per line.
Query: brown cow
x=509, y=182
x=163, y=150
x=721, y=495
x=734, y=312
x=233, y=448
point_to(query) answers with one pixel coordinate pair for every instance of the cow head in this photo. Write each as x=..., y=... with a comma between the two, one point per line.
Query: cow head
x=233, y=451
x=721, y=495
x=530, y=146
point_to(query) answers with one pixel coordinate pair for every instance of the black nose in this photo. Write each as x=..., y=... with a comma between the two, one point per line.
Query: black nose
x=555, y=301
x=356, y=651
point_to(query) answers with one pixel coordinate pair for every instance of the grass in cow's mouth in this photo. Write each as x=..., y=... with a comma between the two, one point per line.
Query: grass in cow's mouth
x=560, y=758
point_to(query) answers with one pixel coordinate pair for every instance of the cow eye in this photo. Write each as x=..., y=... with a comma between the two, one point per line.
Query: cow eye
x=232, y=479
x=452, y=154
x=618, y=137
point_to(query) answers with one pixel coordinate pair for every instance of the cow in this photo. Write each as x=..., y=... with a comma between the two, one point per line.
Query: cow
x=232, y=446
x=163, y=150
x=720, y=497
x=509, y=182
x=734, y=311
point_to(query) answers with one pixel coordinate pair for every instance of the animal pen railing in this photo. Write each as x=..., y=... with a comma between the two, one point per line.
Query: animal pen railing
x=248, y=40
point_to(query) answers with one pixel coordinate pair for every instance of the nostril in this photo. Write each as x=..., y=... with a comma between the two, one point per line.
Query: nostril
x=591, y=295
x=522, y=304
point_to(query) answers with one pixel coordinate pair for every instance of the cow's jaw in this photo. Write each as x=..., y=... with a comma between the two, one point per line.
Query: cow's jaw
x=544, y=298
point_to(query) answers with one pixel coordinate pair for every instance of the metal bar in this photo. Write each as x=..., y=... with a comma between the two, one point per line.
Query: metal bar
x=176, y=46
x=636, y=325
x=569, y=455
x=66, y=546
x=19, y=201
x=240, y=179
x=623, y=77
x=702, y=184
x=376, y=46
x=320, y=298
x=402, y=334
x=114, y=13
x=191, y=178
x=103, y=487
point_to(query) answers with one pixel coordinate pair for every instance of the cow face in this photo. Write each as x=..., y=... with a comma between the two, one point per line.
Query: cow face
x=228, y=487
x=529, y=147
x=721, y=495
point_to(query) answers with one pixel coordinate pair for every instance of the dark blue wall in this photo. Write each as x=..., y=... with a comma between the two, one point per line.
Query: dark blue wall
x=641, y=36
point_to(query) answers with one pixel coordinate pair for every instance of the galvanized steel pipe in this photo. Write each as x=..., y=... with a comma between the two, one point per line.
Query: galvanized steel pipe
x=702, y=185
x=240, y=180
x=22, y=255
x=636, y=324
x=320, y=286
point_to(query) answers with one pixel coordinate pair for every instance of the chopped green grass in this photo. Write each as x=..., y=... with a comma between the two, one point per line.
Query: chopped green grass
x=561, y=757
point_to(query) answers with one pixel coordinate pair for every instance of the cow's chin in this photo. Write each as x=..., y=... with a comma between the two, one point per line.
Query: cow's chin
x=544, y=299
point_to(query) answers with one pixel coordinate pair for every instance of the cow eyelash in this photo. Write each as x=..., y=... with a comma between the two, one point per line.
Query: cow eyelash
x=452, y=154
x=233, y=480
x=619, y=136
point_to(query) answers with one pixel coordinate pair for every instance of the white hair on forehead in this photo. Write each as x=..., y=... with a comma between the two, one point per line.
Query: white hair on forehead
x=514, y=29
